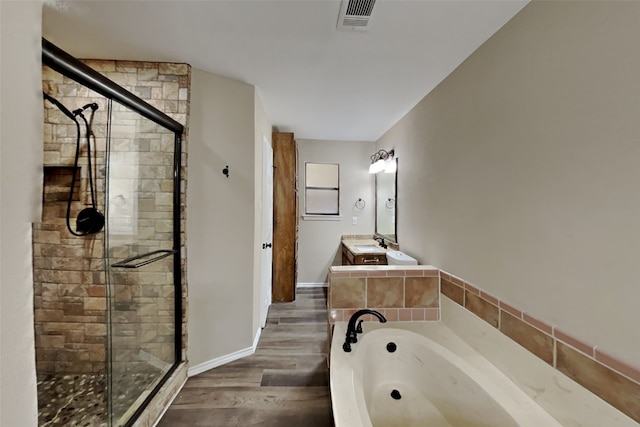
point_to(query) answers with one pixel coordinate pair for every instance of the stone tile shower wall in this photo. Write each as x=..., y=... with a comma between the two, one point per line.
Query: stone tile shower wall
x=69, y=276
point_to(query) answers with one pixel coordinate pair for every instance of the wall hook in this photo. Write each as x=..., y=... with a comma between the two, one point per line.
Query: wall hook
x=225, y=171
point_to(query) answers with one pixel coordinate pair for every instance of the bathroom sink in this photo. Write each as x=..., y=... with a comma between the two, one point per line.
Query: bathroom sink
x=400, y=258
x=369, y=248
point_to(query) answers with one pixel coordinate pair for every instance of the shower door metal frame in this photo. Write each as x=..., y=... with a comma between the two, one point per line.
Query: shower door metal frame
x=62, y=62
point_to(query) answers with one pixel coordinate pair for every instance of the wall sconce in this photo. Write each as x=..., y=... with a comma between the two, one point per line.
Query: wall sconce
x=383, y=161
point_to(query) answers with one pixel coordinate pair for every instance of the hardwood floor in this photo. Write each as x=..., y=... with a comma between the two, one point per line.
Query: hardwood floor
x=285, y=383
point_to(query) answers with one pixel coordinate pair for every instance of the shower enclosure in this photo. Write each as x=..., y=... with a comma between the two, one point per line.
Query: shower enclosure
x=108, y=305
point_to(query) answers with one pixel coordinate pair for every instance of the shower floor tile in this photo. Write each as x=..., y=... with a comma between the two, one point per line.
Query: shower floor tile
x=72, y=400
x=80, y=400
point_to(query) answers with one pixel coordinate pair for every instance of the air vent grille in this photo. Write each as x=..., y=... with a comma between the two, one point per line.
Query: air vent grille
x=355, y=14
x=353, y=21
x=360, y=7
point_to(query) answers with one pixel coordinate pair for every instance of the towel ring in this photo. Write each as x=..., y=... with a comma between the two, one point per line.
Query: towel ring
x=360, y=204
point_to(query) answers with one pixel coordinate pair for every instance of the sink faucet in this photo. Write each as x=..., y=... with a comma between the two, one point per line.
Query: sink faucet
x=382, y=243
x=352, y=332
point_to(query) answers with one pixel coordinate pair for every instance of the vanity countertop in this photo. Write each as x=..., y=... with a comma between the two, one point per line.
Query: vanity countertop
x=363, y=245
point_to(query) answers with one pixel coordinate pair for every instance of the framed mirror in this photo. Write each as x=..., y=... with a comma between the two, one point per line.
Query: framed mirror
x=386, y=206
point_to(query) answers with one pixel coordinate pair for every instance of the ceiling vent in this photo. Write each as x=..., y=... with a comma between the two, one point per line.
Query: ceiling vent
x=355, y=14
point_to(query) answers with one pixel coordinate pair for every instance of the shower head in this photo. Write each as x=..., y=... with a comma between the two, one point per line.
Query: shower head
x=92, y=105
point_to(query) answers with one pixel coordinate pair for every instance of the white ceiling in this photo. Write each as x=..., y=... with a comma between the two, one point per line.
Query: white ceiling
x=313, y=80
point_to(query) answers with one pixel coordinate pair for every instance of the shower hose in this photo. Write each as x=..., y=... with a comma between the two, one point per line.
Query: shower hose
x=90, y=220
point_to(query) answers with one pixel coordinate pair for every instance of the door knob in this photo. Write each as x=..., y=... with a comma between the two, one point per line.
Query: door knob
x=266, y=245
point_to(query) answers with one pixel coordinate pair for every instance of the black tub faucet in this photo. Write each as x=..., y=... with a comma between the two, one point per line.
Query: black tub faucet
x=352, y=332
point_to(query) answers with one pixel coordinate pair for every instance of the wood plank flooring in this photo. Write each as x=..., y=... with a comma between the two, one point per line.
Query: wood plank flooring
x=284, y=384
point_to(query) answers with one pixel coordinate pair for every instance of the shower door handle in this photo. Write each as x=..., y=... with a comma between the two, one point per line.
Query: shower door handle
x=161, y=253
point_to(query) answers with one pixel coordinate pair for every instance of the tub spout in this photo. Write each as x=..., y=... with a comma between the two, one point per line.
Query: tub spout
x=352, y=334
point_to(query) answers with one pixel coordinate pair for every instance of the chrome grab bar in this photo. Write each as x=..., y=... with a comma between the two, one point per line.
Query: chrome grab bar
x=163, y=254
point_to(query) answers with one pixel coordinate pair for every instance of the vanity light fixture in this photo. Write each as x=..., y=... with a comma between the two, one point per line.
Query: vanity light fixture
x=383, y=161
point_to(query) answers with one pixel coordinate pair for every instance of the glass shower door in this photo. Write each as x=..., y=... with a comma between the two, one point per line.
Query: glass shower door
x=140, y=255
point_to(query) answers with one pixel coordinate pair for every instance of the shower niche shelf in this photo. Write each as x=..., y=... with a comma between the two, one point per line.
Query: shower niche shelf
x=57, y=183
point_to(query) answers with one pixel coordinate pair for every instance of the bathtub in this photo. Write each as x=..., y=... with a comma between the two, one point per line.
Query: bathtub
x=421, y=374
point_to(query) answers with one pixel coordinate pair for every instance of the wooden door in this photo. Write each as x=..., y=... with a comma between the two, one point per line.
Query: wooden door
x=285, y=218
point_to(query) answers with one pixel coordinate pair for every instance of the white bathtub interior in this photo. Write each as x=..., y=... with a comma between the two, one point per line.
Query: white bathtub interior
x=438, y=386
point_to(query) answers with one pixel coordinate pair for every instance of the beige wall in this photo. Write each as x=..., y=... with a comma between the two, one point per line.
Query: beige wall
x=520, y=171
x=21, y=184
x=220, y=231
x=319, y=241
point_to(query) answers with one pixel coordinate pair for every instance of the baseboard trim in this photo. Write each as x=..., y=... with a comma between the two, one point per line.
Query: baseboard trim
x=256, y=338
x=312, y=285
x=227, y=358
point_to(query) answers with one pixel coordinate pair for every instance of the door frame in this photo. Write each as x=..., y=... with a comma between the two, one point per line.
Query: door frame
x=266, y=263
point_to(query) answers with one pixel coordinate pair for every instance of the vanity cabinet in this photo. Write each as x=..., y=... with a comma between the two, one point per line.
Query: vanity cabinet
x=349, y=258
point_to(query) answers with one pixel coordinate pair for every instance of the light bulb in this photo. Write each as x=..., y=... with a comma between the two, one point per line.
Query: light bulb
x=390, y=166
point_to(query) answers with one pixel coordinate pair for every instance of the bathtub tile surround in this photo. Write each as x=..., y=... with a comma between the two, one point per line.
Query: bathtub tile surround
x=612, y=387
x=482, y=308
x=349, y=292
x=534, y=340
x=616, y=365
x=406, y=293
x=421, y=292
x=456, y=293
x=387, y=292
x=613, y=381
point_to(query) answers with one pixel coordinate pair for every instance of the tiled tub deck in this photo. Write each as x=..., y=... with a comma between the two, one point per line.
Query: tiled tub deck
x=413, y=293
